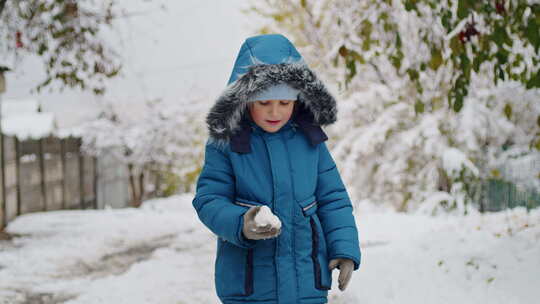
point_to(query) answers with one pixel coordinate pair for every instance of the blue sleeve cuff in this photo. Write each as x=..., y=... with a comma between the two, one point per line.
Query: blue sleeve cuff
x=241, y=239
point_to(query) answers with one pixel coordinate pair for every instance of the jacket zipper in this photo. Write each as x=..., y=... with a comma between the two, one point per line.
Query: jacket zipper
x=309, y=206
x=248, y=283
x=245, y=204
x=315, y=258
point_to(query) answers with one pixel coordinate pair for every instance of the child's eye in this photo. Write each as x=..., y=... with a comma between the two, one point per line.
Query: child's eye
x=263, y=103
x=285, y=102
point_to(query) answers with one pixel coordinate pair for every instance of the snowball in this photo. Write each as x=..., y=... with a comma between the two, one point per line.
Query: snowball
x=265, y=217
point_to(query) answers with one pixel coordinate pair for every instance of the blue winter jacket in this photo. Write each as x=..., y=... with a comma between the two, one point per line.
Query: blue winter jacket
x=291, y=171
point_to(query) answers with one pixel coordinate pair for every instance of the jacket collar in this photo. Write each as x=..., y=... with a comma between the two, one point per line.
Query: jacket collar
x=241, y=140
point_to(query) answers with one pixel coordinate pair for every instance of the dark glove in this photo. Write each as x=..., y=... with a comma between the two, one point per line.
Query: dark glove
x=250, y=229
x=345, y=267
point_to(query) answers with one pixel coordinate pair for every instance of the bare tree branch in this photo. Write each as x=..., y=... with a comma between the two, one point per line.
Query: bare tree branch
x=2, y=4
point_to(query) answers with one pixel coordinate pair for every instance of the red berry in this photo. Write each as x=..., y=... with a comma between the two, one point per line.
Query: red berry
x=461, y=36
x=18, y=40
x=499, y=7
x=470, y=31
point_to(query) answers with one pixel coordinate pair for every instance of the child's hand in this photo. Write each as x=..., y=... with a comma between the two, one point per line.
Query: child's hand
x=254, y=232
x=345, y=267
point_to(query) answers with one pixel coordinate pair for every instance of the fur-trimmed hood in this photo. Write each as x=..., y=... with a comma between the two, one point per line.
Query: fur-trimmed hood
x=263, y=61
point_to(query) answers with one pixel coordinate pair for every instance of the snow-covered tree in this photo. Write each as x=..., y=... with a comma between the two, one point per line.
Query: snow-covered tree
x=155, y=136
x=67, y=36
x=430, y=91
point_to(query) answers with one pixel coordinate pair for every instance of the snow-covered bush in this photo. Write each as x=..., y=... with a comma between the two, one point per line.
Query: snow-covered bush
x=431, y=93
x=155, y=136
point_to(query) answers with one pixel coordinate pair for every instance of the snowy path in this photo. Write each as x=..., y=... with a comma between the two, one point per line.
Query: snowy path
x=161, y=253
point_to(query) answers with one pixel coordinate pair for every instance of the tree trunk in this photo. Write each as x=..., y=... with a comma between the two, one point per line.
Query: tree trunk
x=134, y=197
x=2, y=5
x=157, y=183
x=141, y=187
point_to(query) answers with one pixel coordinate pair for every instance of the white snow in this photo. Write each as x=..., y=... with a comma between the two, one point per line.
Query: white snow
x=454, y=161
x=265, y=217
x=162, y=253
x=23, y=118
x=29, y=125
x=11, y=107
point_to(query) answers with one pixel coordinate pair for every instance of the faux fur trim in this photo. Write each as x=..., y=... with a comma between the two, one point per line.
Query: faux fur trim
x=224, y=117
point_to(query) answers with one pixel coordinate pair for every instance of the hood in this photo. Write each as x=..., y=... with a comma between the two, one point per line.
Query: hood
x=263, y=61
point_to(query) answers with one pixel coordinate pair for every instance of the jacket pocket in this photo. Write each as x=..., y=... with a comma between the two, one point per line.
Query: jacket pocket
x=308, y=205
x=233, y=270
x=247, y=203
x=323, y=277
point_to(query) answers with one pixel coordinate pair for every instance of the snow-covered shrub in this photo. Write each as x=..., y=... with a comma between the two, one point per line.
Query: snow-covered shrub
x=431, y=93
x=157, y=137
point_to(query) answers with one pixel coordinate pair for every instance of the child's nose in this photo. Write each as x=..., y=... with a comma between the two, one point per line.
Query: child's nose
x=274, y=110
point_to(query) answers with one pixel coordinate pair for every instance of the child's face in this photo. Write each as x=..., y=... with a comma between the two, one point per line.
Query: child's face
x=271, y=115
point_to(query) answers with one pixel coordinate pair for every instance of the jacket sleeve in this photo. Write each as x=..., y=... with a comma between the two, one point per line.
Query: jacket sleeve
x=214, y=197
x=335, y=211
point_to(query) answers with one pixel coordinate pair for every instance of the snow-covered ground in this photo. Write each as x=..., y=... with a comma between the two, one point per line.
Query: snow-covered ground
x=161, y=253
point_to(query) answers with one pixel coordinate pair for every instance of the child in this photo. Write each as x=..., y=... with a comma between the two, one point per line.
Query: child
x=266, y=148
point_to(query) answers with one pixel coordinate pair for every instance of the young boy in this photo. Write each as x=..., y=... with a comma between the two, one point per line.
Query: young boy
x=267, y=149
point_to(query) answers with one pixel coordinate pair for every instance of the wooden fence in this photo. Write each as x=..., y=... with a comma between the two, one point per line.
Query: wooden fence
x=44, y=174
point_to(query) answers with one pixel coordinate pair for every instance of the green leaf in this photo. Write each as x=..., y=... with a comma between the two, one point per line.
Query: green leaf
x=410, y=5
x=352, y=70
x=456, y=46
x=396, y=60
x=366, y=29
x=538, y=121
x=279, y=17
x=113, y=73
x=388, y=27
x=517, y=60
x=459, y=103
x=42, y=49
x=446, y=19
x=418, y=107
x=534, y=81
x=463, y=9
x=366, y=45
x=508, y=111
x=398, y=41
x=413, y=74
x=501, y=73
x=502, y=56
x=358, y=57
x=532, y=33
x=419, y=87
x=436, y=59
x=465, y=64
x=476, y=63
x=500, y=36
